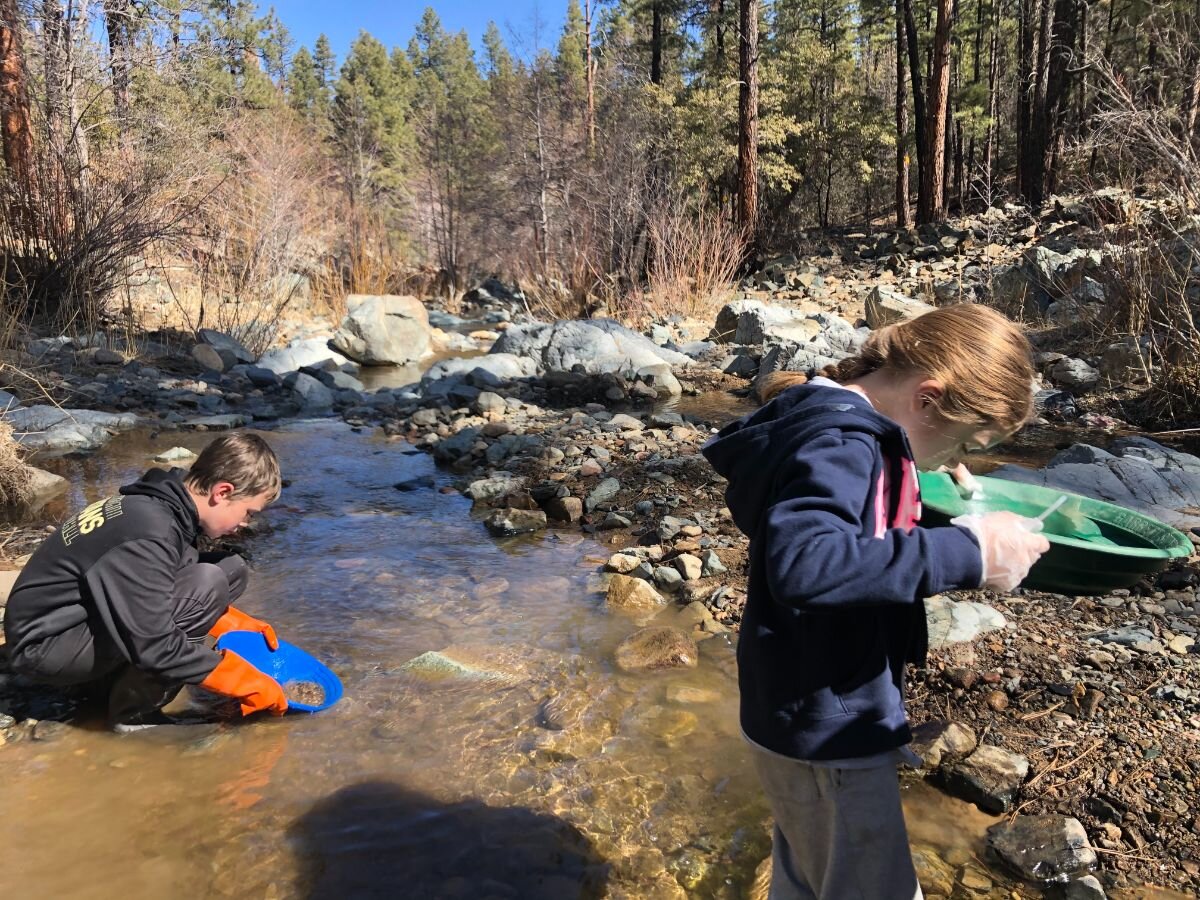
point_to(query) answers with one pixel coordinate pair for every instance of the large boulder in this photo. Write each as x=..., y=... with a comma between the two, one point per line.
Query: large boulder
x=480, y=371
x=1134, y=472
x=300, y=354
x=596, y=346
x=990, y=778
x=887, y=307
x=48, y=428
x=384, y=330
x=1126, y=360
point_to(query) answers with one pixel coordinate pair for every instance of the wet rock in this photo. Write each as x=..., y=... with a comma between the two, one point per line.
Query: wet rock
x=622, y=563
x=632, y=595
x=499, y=485
x=420, y=483
x=952, y=622
x=507, y=522
x=655, y=648
x=384, y=330
x=990, y=778
x=48, y=731
x=1043, y=848
x=456, y=446
x=43, y=487
x=934, y=873
x=886, y=307
x=939, y=743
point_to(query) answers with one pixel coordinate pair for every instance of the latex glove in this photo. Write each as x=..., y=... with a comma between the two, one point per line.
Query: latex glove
x=234, y=677
x=1010, y=545
x=236, y=620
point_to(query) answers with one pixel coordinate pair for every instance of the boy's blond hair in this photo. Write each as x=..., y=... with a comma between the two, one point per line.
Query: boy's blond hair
x=982, y=359
x=244, y=460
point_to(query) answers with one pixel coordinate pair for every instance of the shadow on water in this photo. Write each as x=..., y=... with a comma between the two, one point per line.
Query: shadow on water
x=381, y=839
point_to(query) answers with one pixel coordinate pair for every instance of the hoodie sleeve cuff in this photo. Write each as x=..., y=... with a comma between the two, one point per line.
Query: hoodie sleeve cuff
x=958, y=561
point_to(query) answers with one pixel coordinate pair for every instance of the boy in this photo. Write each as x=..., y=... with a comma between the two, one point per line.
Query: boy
x=120, y=594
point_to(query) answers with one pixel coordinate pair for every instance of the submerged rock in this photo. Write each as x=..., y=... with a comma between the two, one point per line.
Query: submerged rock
x=633, y=595
x=508, y=522
x=655, y=648
x=479, y=662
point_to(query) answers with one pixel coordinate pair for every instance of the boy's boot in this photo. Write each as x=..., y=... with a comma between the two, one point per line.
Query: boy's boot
x=136, y=701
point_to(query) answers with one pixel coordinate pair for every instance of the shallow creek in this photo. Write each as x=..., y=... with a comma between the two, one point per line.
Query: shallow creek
x=555, y=777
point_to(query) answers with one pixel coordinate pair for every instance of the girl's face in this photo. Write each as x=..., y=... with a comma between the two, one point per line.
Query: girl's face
x=937, y=441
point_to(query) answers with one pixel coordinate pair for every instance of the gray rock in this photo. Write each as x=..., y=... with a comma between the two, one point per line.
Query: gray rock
x=602, y=493
x=596, y=346
x=298, y=354
x=341, y=381
x=564, y=509
x=1075, y=374
x=43, y=487
x=774, y=324
x=501, y=366
x=256, y=375
x=1086, y=888
x=741, y=365
x=425, y=418
x=499, y=485
x=688, y=566
x=488, y=402
x=223, y=343
x=990, y=778
x=8, y=402
x=954, y=622
x=507, y=522
x=175, y=454
x=456, y=445
x=313, y=396
x=632, y=595
x=384, y=330
x=51, y=429
x=712, y=564
x=667, y=577
x=1125, y=636
x=622, y=422
x=1045, y=848
x=886, y=307
x=1126, y=360
x=106, y=357
x=1134, y=472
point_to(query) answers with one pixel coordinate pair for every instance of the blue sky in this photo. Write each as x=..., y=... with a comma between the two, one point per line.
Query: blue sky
x=393, y=22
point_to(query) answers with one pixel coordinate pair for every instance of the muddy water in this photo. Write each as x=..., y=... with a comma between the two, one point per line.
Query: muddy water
x=554, y=777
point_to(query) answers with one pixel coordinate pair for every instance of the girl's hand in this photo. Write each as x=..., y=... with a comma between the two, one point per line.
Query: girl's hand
x=1010, y=545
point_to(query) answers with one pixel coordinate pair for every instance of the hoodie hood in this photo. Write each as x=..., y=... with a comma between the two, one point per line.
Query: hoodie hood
x=748, y=452
x=168, y=487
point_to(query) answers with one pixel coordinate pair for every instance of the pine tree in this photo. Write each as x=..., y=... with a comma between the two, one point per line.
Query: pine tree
x=304, y=88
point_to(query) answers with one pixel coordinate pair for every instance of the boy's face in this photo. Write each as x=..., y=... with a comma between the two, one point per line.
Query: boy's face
x=222, y=513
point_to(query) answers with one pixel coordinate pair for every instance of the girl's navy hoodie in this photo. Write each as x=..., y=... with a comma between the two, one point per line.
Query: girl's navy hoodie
x=834, y=610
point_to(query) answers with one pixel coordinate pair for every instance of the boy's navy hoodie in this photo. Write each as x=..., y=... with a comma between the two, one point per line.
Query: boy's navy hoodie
x=833, y=611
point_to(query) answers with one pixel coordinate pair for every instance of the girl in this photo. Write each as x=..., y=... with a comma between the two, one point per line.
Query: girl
x=822, y=479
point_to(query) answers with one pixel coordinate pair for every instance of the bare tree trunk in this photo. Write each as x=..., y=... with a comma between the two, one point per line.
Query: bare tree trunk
x=1053, y=96
x=54, y=60
x=589, y=68
x=717, y=11
x=934, y=207
x=15, y=122
x=920, y=118
x=993, y=79
x=118, y=20
x=902, y=210
x=748, y=121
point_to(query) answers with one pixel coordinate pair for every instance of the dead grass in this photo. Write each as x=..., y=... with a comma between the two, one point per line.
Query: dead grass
x=15, y=476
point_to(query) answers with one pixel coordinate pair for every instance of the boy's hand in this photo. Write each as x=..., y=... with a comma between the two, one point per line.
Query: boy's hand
x=234, y=677
x=236, y=620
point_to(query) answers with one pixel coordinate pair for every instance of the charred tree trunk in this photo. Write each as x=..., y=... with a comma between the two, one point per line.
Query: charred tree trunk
x=1025, y=90
x=748, y=122
x=589, y=70
x=1053, y=97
